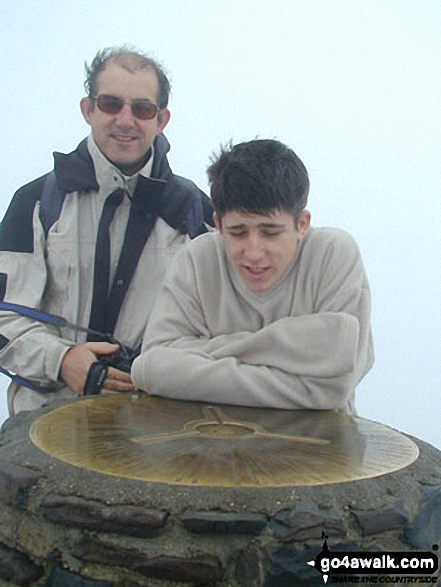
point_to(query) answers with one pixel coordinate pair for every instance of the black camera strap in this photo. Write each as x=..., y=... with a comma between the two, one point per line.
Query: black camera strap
x=95, y=376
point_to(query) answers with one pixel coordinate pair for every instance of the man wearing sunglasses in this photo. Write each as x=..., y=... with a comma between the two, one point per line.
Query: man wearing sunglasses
x=91, y=241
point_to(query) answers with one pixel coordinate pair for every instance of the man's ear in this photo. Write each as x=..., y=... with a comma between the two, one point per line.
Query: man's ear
x=304, y=222
x=86, y=109
x=217, y=222
x=163, y=119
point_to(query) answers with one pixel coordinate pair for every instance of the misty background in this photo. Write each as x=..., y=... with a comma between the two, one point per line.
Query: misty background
x=352, y=87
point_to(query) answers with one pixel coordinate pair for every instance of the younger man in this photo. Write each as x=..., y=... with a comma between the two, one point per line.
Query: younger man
x=267, y=311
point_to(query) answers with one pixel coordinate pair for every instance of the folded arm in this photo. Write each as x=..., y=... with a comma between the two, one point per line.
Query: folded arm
x=307, y=361
x=197, y=376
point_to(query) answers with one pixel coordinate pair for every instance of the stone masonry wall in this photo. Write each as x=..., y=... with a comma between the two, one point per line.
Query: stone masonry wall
x=61, y=526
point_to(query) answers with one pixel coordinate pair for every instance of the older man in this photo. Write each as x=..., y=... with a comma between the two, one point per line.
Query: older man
x=91, y=241
x=267, y=311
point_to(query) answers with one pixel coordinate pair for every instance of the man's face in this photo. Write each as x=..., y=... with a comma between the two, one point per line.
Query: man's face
x=123, y=138
x=261, y=247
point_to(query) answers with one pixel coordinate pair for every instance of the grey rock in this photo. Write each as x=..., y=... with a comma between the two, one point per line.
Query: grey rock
x=305, y=521
x=15, y=482
x=425, y=528
x=86, y=513
x=391, y=517
x=18, y=567
x=224, y=523
x=199, y=568
x=62, y=578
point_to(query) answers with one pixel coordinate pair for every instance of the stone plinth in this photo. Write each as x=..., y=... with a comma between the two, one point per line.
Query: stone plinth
x=65, y=525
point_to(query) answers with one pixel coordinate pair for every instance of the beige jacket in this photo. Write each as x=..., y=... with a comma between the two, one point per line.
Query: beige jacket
x=57, y=276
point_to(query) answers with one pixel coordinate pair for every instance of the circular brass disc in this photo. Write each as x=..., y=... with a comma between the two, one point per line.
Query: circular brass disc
x=189, y=443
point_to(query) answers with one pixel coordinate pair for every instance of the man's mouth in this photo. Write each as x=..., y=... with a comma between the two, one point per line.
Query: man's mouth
x=256, y=272
x=123, y=138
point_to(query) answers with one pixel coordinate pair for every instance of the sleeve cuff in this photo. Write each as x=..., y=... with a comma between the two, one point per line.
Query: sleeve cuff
x=55, y=352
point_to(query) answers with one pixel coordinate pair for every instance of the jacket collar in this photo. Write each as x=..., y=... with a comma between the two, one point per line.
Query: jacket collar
x=76, y=172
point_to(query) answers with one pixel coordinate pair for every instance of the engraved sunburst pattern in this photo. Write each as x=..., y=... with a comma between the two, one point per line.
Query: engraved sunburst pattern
x=189, y=443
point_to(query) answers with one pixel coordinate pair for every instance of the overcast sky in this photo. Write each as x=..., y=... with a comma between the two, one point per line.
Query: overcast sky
x=352, y=86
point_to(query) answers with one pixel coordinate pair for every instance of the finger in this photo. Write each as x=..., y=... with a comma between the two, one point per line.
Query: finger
x=106, y=391
x=114, y=374
x=101, y=348
x=114, y=385
x=118, y=381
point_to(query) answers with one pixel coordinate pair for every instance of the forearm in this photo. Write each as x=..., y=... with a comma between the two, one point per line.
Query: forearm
x=196, y=376
x=32, y=350
x=319, y=345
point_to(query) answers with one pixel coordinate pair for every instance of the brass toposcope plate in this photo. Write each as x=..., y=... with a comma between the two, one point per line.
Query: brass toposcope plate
x=189, y=443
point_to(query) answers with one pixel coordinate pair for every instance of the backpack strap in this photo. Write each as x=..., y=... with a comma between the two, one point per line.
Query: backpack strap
x=51, y=202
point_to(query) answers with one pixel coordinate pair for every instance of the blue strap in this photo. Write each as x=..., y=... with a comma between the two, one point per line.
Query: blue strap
x=25, y=382
x=51, y=319
x=43, y=317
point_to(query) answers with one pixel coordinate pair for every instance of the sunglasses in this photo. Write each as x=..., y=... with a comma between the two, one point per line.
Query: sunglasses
x=142, y=109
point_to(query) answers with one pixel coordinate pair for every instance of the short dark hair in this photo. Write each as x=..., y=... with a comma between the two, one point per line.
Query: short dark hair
x=130, y=59
x=259, y=177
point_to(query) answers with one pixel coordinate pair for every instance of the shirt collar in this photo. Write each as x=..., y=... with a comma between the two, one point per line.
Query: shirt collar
x=107, y=173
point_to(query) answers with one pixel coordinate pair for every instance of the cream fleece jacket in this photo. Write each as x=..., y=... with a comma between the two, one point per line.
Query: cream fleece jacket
x=303, y=344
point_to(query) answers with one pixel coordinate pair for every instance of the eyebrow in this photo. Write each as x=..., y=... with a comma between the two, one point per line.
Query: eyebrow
x=260, y=225
x=122, y=97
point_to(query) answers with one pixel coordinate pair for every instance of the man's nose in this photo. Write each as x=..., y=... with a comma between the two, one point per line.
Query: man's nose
x=125, y=117
x=254, y=249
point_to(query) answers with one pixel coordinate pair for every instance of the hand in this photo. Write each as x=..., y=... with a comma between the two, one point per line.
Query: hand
x=76, y=364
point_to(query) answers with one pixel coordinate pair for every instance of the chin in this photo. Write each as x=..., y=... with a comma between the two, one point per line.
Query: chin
x=258, y=287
